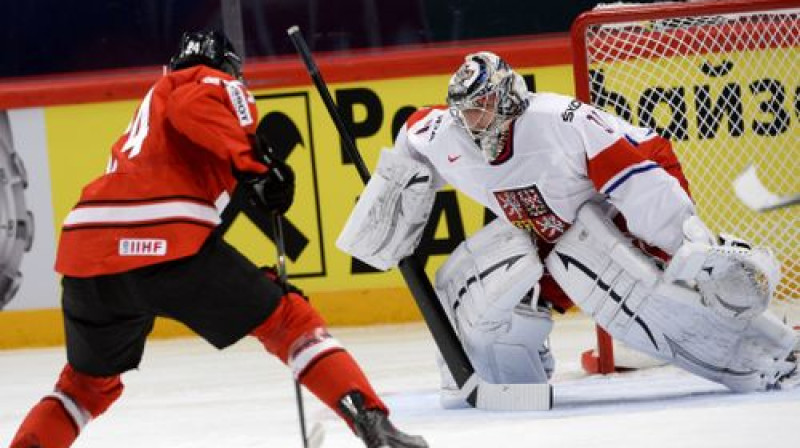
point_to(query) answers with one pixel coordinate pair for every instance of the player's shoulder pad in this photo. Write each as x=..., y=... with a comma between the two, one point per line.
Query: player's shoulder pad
x=422, y=126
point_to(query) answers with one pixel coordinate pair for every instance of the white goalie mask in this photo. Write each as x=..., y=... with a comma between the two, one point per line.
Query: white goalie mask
x=483, y=96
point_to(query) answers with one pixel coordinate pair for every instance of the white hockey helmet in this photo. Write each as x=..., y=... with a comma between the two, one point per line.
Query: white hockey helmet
x=483, y=96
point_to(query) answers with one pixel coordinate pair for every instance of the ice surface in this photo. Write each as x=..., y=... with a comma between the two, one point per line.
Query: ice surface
x=187, y=394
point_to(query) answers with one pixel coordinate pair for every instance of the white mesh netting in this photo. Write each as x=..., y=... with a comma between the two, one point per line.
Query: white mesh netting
x=725, y=90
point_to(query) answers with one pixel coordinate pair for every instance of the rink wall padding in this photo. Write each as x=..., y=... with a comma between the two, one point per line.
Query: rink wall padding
x=63, y=126
x=44, y=327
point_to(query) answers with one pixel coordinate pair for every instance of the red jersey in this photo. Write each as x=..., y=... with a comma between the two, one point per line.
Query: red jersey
x=168, y=178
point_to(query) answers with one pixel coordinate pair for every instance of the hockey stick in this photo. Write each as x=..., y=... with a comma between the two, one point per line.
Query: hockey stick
x=476, y=392
x=283, y=281
x=315, y=438
x=232, y=24
x=756, y=196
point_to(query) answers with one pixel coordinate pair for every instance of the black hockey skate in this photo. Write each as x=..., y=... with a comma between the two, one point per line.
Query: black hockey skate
x=374, y=427
x=790, y=376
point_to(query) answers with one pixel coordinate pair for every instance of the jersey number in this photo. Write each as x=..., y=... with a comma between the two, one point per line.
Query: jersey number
x=137, y=131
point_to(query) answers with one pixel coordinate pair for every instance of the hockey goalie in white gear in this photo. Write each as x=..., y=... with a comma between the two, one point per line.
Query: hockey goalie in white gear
x=718, y=330
x=389, y=217
x=489, y=289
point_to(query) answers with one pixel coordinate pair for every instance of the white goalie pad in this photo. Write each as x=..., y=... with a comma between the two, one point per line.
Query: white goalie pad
x=487, y=275
x=489, y=288
x=629, y=297
x=387, y=222
x=734, y=279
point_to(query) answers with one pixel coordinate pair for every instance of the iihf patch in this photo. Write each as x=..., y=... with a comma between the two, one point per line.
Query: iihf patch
x=132, y=247
x=239, y=102
x=526, y=209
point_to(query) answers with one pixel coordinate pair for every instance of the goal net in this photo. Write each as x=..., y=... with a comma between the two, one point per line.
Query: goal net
x=720, y=79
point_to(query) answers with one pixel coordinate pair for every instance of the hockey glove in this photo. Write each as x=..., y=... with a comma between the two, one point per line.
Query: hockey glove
x=273, y=191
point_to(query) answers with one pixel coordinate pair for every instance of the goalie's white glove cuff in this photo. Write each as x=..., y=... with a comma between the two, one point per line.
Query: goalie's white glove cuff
x=688, y=260
x=696, y=231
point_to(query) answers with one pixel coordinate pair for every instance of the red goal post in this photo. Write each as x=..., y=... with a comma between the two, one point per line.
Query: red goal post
x=720, y=79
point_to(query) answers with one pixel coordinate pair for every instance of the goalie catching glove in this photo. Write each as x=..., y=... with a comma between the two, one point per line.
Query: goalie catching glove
x=734, y=279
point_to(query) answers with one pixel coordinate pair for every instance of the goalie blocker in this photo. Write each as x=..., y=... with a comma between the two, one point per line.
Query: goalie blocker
x=641, y=306
x=387, y=222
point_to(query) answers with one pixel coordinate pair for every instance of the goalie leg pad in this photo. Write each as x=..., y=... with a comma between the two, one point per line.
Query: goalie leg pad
x=625, y=293
x=487, y=275
x=387, y=222
x=520, y=355
x=482, y=286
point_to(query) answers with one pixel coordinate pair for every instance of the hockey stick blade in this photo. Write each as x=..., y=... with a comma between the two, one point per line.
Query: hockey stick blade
x=316, y=436
x=756, y=196
x=505, y=397
x=515, y=397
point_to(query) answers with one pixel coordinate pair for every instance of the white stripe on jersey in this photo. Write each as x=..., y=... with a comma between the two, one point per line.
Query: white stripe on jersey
x=139, y=213
x=222, y=201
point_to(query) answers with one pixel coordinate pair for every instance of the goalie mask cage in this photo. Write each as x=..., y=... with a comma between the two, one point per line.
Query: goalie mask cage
x=720, y=80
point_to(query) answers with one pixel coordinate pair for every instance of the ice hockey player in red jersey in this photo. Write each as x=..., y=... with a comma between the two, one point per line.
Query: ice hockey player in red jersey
x=140, y=243
x=592, y=211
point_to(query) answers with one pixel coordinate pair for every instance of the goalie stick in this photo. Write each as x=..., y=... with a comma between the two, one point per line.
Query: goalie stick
x=756, y=196
x=477, y=393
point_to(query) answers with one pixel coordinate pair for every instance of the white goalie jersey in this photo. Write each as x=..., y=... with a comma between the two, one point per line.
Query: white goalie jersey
x=557, y=158
x=558, y=154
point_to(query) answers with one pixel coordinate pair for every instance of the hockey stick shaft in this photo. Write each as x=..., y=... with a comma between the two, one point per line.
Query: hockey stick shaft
x=411, y=268
x=322, y=88
x=283, y=278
